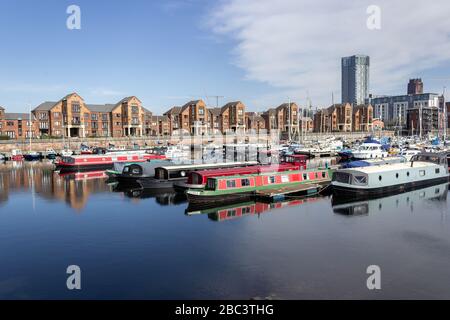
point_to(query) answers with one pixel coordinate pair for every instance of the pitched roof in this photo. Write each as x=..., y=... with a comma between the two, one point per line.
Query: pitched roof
x=101, y=107
x=17, y=116
x=146, y=110
x=173, y=110
x=190, y=103
x=229, y=104
x=285, y=105
x=215, y=111
x=2, y=108
x=46, y=106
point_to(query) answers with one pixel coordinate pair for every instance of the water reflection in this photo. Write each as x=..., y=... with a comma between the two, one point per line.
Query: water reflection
x=39, y=179
x=403, y=200
x=249, y=208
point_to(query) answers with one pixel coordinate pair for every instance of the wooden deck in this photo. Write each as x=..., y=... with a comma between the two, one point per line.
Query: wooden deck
x=281, y=192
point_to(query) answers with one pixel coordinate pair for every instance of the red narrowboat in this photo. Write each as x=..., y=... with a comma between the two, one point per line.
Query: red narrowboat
x=240, y=187
x=100, y=162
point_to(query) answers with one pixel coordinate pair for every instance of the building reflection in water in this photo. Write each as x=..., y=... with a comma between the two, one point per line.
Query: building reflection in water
x=249, y=208
x=39, y=179
x=391, y=203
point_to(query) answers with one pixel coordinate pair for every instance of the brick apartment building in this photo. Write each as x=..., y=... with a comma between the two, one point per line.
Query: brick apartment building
x=284, y=117
x=72, y=117
x=17, y=125
x=362, y=118
x=336, y=118
x=254, y=122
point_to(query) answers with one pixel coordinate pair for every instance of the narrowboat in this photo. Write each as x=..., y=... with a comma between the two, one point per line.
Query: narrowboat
x=198, y=179
x=129, y=173
x=166, y=176
x=424, y=169
x=99, y=162
x=230, y=188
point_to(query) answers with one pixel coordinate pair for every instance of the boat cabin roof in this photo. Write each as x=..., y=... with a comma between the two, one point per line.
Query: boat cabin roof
x=208, y=165
x=283, y=173
x=386, y=167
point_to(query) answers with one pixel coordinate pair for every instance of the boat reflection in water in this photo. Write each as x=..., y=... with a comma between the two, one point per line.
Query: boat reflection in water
x=162, y=196
x=359, y=208
x=249, y=208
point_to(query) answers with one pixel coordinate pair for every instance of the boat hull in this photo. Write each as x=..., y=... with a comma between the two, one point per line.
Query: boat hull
x=28, y=157
x=152, y=183
x=82, y=168
x=210, y=199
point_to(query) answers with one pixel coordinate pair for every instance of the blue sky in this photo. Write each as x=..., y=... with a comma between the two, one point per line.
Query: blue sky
x=168, y=52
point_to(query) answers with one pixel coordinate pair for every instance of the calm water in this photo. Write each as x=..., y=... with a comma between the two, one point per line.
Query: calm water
x=139, y=245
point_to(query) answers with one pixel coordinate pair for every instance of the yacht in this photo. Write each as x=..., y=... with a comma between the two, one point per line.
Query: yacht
x=369, y=151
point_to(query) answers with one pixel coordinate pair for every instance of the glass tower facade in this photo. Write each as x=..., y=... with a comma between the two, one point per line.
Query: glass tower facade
x=355, y=79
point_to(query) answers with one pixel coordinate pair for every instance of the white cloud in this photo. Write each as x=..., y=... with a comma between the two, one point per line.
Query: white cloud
x=296, y=45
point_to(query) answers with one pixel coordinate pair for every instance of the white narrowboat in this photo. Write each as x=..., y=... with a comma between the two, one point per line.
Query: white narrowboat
x=424, y=169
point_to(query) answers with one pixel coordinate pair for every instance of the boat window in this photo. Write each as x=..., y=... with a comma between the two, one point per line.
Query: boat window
x=284, y=179
x=360, y=180
x=317, y=175
x=324, y=174
x=231, y=213
x=407, y=173
x=305, y=176
x=396, y=175
x=342, y=177
x=272, y=179
x=245, y=182
x=422, y=173
x=437, y=170
x=126, y=169
x=246, y=210
x=211, y=184
x=231, y=184
x=380, y=178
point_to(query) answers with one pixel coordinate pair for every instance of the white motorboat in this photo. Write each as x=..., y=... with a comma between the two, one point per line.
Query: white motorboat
x=369, y=151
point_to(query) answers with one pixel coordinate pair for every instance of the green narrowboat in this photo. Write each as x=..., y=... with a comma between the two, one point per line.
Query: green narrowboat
x=241, y=187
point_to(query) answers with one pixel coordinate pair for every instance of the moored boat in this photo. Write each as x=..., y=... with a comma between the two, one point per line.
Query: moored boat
x=100, y=162
x=32, y=156
x=166, y=176
x=423, y=169
x=246, y=186
x=16, y=155
x=369, y=150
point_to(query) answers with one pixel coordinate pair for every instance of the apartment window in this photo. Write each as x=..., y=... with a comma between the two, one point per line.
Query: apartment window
x=42, y=115
x=134, y=109
x=240, y=112
x=56, y=115
x=117, y=115
x=104, y=125
x=105, y=117
x=94, y=125
x=76, y=120
x=135, y=121
x=75, y=107
x=201, y=111
x=10, y=123
x=117, y=123
x=11, y=134
x=94, y=117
